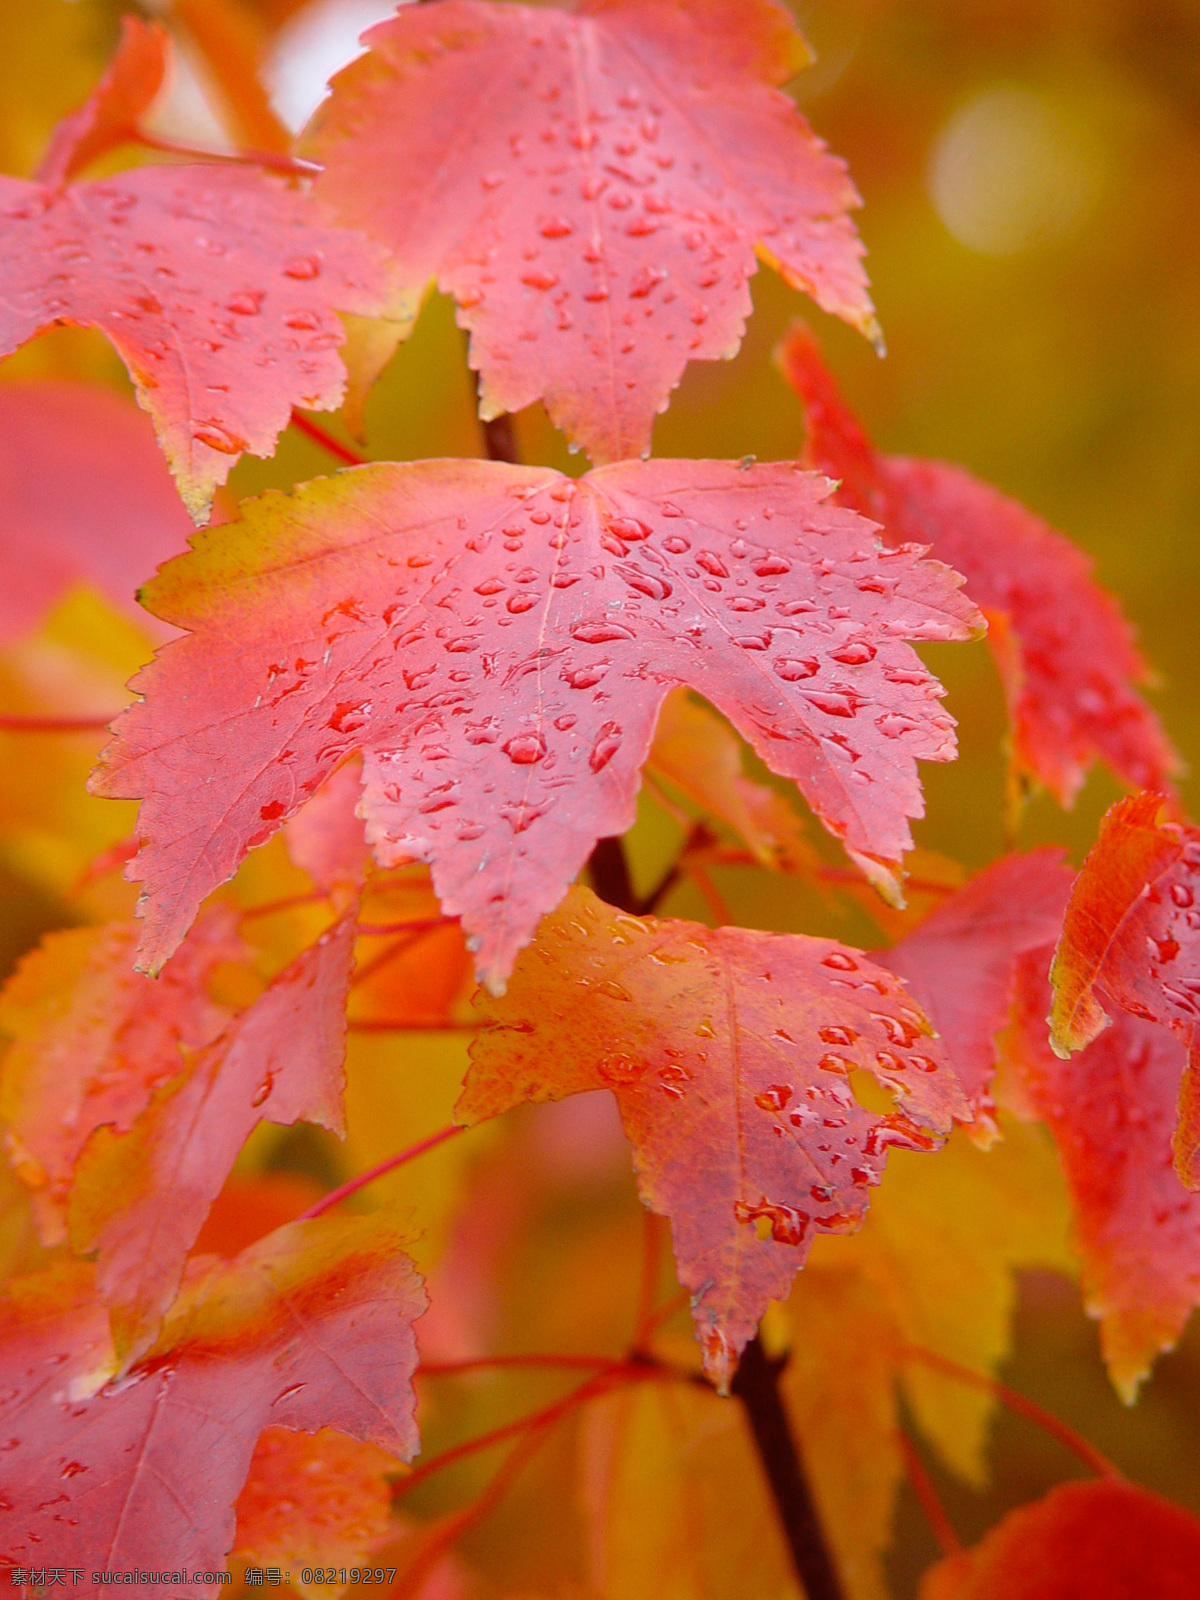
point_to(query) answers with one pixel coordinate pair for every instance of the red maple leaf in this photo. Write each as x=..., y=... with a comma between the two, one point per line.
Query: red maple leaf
x=729, y=1052
x=141, y=1196
x=85, y=495
x=959, y=962
x=592, y=187
x=218, y=285
x=497, y=641
x=1105, y=1540
x=92, y=1038
x=1131, y=939
x=309, y=1328
x=1111, y=1109
x=1065, y=652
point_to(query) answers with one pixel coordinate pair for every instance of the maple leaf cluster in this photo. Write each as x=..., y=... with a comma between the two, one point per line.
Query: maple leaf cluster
x=397, y=711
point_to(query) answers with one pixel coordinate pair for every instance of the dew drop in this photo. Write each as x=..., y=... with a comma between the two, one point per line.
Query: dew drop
x=246, y=304
x=302, y=267
x=586, y=677
x=630, y=528
x=526, y=749
x=600, y=632
x=618, y=1069
x=218, y=438
x=838, y=1064
x=855, y=654
x=605, y=747
x=517, y=603
x=837, y=1035
x=774, y=1097
x=839, y=961
x=1181, y=894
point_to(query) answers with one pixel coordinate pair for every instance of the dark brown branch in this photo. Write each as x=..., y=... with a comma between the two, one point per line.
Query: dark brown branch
x=610, y=875
x=756, y=1385
x=499, y=439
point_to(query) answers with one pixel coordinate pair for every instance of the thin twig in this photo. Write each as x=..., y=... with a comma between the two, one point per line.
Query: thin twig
x=935, y=1511
x=1046, y=1420
x=592, y=1388
x=327, y=441
x=271, y=160
x=446, y=1533
x=389, y=1164
x=19, y=724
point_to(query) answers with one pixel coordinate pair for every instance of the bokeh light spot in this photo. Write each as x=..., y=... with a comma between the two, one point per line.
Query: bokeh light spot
x=1011, y=170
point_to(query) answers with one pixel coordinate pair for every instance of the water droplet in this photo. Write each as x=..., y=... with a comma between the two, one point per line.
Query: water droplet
x=606, y=746
x=526, y=749
x=538, y=278
x=784, y=1224
x=630, y=528
x=841, y=704
x=302, y=267
x=898, y=1031
x=620, y=1070
x=586, y=677
x=219, y=438
x=889, y=1061
x=263, y=1090
x=837, y=1035
x=555, y=227
x=306, y=321
x=1181, y=894
x=654, y=588
x=774, y=1097
x=489, y=586
x=923, y=1063
x=854, y=654
x=350, y=716
x=517, y=603
x=600, y=632
x=833, y=1063
x=72, y=1469
x=839, y=961
x=246, y=304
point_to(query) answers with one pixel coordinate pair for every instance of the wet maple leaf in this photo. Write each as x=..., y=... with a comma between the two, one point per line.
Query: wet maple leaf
x=218, y=285
x=497, y=641
x=1102, y=1540
x=85, y=495
x=592, y=187
x=1111, y=1108
x=959, y=962
x=314, y=1501
x=1065, y=652
x=310, y=1328
x=140, y=1197
x=92, y=1039
x=729, y=1053
x=1131, y=939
